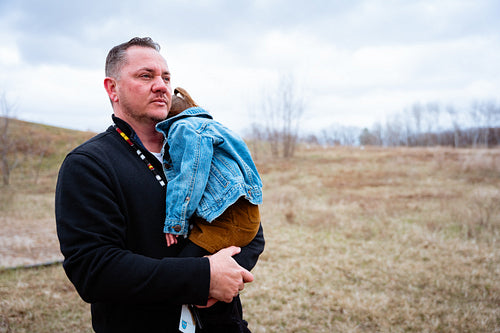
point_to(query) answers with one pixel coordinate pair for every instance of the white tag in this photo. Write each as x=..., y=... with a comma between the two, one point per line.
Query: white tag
x=186, y=324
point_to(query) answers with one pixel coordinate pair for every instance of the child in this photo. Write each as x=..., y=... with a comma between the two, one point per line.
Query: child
x=212, y=180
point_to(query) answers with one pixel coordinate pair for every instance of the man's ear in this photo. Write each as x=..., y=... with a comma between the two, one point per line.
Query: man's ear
x=110, y=86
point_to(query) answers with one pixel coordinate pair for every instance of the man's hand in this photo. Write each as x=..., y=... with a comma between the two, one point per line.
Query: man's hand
x=227, y=278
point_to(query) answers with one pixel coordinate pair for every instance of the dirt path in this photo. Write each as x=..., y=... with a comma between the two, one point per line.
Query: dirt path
x=27, y=242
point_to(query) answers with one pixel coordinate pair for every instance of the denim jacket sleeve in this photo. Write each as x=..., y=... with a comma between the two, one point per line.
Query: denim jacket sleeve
x=190, y=155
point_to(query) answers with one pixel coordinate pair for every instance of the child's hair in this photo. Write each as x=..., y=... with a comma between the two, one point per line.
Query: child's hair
x=180, y=102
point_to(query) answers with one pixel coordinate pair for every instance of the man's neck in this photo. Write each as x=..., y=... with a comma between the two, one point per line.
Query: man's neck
x=150, y=138
x=147, y=133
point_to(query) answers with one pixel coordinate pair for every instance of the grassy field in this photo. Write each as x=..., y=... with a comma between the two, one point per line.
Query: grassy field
x=357, y=240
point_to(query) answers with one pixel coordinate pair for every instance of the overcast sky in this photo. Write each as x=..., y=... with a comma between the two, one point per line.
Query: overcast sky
x=353, y=62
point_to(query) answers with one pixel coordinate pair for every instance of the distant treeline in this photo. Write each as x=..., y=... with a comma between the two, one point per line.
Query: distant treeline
x=472, y=137
x=423, y=125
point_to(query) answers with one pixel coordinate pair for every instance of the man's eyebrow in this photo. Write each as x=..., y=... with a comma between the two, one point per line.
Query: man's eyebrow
x=151, y=70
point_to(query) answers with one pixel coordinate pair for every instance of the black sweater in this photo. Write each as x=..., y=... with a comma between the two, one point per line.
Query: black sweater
x=110, y=212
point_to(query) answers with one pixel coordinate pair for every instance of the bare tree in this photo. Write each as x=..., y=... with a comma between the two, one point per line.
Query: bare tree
x=339, y=135
x=255, y=137
x=396, y=132
x=417, y=111
x=367, y=138
x=476, y=115
x=433, y=112
x=271, y=117
x=407, y=132
x=486, y=115
x=452, y=111
x=8, y=160
x=282, y=112
x=377, y=133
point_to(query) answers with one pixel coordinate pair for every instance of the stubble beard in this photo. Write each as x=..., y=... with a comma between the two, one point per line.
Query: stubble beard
x=143, y=118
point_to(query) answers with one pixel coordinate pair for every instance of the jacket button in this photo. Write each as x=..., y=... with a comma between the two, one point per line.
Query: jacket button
x=177, y=228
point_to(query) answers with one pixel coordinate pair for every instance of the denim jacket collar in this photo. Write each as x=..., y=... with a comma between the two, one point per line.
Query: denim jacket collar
x=197, y=111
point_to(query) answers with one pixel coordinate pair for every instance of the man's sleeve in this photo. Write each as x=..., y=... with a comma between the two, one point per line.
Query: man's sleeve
x=92, y=226
x=249, y=254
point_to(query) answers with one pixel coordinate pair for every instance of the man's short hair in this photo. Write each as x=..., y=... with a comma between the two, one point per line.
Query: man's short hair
x=117, y=56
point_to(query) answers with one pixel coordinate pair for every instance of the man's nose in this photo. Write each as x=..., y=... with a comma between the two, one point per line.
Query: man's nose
x=159, y=85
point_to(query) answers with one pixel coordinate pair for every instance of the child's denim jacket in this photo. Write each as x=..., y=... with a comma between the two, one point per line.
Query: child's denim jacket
x=208, y=167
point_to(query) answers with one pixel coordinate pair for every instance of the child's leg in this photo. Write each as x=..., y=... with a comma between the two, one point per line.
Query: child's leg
x=237, y=226
x=224, y=317
x=220, y=317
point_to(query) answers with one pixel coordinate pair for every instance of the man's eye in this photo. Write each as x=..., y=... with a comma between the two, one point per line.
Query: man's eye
x=166, y=79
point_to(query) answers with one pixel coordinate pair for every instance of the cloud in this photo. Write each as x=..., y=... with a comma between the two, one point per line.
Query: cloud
x=353, y=61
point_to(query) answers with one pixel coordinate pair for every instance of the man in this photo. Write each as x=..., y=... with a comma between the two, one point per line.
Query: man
x=110, y=210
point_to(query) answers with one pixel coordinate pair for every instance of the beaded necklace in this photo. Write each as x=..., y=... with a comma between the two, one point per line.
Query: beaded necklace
x=141, y=156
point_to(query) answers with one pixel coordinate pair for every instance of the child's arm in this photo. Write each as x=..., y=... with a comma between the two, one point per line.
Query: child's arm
x=171, y=239
x=191, y=154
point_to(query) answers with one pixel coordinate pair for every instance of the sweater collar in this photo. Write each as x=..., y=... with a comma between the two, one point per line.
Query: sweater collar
x=128, y=130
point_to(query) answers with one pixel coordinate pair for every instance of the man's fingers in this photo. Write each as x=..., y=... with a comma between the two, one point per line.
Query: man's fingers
x=230, y=251
x=247, y=276
x=211, y=301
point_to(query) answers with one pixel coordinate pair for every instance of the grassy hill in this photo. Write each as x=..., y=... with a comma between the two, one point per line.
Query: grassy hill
x=27, y=230
x=357, y=240
x=37, y=146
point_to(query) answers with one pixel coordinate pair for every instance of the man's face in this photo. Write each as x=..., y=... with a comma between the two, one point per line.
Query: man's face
x=142, y=91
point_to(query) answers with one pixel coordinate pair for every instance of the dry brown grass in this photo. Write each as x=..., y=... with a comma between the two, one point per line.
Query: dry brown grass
x=41, y=300
x=379, y=240
x=373, y=240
